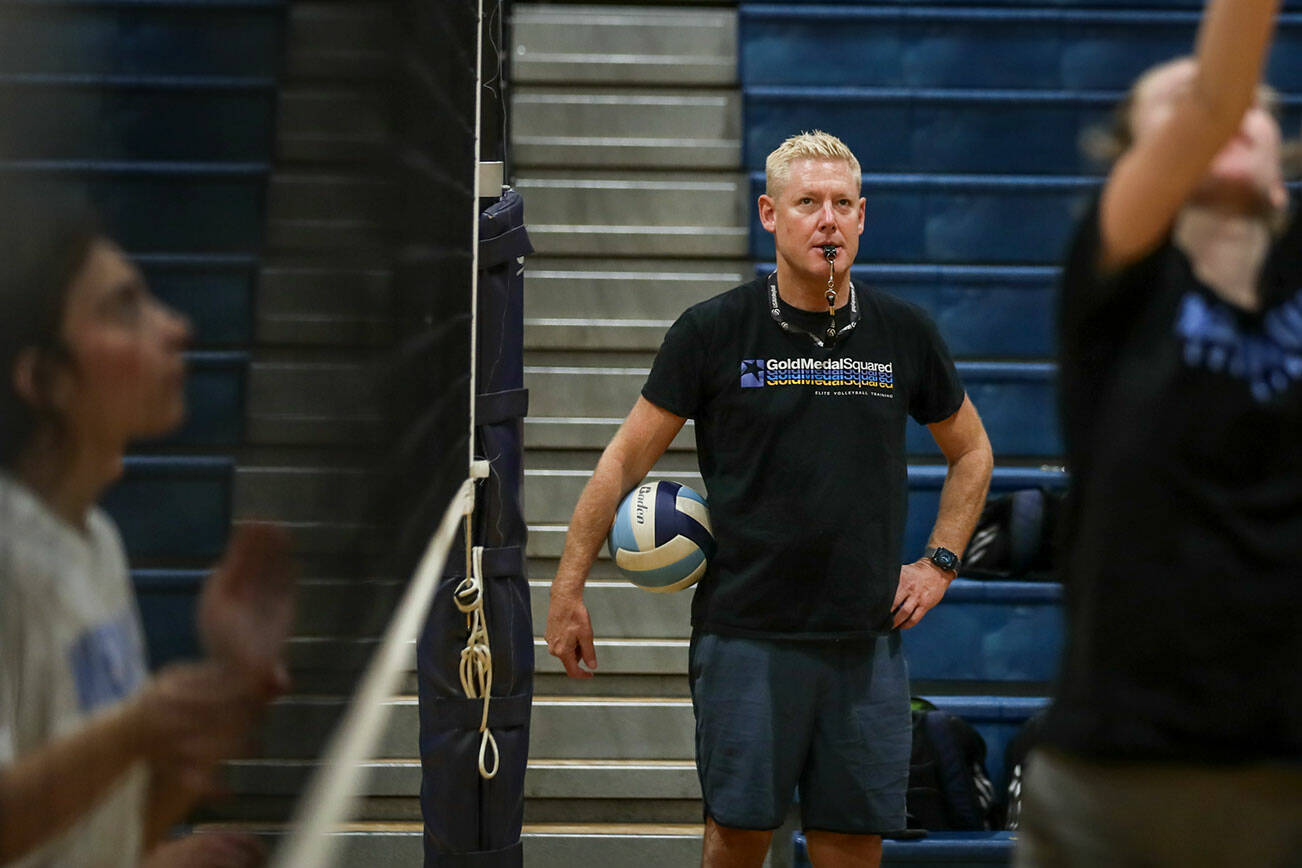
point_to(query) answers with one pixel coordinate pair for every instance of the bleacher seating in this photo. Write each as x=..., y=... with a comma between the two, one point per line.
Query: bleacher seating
x=983, y=311
x=164, y=38
x=214, y=290
x=958, y=219
x=936, y=46
x=173, y=507
x=214, y=400
x=163, y=111
x=1017, y=403
x=167, y=600
x=990, y=631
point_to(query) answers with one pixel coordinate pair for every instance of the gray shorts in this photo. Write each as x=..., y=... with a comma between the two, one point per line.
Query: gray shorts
x=1082, y=814
x=828, y=719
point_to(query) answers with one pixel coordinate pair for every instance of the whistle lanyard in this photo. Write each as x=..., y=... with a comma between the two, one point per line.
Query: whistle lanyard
x=832, y=335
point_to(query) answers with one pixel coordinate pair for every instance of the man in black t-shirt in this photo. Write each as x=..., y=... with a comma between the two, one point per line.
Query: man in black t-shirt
x=1175, y=737
x=800, y=403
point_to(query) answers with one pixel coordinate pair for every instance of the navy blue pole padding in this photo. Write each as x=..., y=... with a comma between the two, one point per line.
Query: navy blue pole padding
x=471, y=822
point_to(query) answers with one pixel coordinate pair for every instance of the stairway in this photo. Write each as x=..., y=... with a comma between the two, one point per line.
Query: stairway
x=627, y=142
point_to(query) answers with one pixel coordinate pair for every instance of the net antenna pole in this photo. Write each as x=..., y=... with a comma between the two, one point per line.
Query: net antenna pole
x=341, y=774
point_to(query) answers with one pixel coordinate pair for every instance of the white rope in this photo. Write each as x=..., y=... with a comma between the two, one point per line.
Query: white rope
x=477, y=656
x=340, y=775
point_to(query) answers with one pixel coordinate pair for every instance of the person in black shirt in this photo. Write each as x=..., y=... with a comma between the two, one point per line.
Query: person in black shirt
x=800, y=404
x=1175, y=737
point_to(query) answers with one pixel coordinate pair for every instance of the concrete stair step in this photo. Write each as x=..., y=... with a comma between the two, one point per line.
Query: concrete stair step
x=329, y=212
x=332, y=306
x=632, y=289
x=546, y=845
x=570, y=779
x=572, y=43
x=316, y=194
x=620, y=610
x=331, y=664
x=331, y=125
x=623, y=214
x=340, y=41
x=572, y=727
x=589, y=433
x=303, y=495
x=550, y=495
x=345, y=607
x=653, y=129
x=570, y=391
x=312, y=402
x=625, y=656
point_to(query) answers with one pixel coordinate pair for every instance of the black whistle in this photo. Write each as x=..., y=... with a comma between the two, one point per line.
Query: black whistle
x=829, y=251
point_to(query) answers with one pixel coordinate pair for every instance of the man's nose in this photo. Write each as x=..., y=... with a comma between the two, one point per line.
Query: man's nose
x=827, y=216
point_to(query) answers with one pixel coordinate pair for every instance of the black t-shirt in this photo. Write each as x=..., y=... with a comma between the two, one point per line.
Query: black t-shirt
x=802, y=452
x=1183, y=560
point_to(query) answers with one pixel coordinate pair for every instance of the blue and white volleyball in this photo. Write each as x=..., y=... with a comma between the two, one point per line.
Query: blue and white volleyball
x=661, y=540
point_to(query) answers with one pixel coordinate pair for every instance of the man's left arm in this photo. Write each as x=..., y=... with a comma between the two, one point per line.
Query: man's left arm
x=962, y=438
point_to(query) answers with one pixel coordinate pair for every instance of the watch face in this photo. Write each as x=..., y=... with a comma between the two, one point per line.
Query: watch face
x=945, y=559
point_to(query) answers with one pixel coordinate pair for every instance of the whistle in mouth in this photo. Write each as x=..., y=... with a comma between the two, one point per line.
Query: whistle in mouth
x=829, y=252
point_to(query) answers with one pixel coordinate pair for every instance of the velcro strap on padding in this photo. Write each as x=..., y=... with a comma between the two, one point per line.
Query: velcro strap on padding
x=494, y=407
x=451, y=712
x=499, y=563
x=499, y=249
x=507, y=857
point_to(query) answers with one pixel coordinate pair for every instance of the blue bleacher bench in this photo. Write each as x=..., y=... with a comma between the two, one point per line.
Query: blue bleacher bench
x=214, y=397
x=938, y=849
x=167, y=207
x=214, y=291
x=168, y=600
x=1017, y=403
x=989, y=631
x=997, y=719
x=174, y=506
x=939, y=46
x=100, y=117
x=955, y=131
x=142, y=37
x=1034, y=5
x=959, y=219
x=925, y=482
x=981, y=310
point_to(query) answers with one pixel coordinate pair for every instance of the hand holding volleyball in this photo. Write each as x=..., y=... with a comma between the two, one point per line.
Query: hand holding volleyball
x=661, y=539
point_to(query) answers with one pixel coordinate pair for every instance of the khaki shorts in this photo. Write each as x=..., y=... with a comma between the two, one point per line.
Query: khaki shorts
x=1127, y=815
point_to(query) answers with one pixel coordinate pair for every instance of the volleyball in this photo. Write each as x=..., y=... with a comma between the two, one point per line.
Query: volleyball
x=661, y=539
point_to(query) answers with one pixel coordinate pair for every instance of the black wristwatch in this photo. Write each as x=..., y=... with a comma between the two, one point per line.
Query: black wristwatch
x=943, y=558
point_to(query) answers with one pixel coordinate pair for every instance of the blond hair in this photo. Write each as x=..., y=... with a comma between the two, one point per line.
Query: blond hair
x=816, y=145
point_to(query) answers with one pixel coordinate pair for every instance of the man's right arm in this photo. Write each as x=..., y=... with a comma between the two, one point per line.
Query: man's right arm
x=636, y=447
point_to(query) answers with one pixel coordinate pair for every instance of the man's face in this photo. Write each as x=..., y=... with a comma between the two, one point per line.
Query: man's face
x=818, y=205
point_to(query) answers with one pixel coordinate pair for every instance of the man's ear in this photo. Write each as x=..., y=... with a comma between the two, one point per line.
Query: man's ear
x=767, y=212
